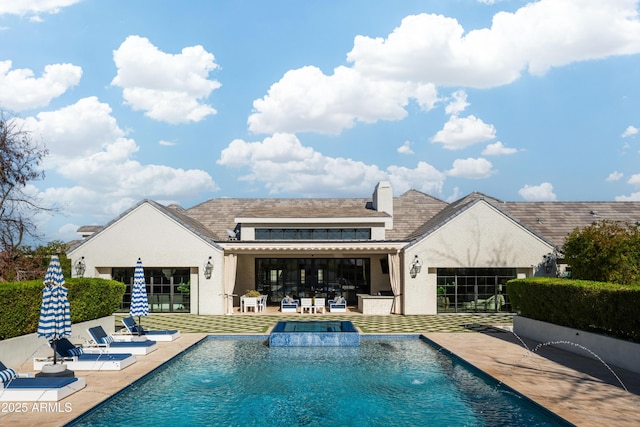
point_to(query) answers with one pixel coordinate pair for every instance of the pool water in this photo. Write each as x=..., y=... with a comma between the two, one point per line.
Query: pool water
x=383, y=382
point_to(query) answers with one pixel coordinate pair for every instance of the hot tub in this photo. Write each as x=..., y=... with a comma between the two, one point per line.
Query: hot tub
x=322, y=333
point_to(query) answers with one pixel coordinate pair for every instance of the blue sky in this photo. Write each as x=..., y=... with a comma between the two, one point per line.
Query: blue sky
x=181, y=102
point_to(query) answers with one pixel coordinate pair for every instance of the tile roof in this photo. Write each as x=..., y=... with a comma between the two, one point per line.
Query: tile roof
x=415, y=214
x=555, y=220
x=219, y=215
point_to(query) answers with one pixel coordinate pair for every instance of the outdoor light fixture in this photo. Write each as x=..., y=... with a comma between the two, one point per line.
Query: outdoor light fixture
x=416, y=266
x=208, y=269
x=80, y=267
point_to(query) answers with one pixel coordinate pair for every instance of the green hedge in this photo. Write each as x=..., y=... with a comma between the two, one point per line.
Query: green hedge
x=89, y=299
x=590, y=306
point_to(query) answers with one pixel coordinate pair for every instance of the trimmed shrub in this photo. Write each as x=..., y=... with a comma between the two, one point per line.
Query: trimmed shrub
x=88, y=299
x=599, y=307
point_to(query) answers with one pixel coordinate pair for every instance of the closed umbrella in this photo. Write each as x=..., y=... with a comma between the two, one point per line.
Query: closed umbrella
x=55, y=316
x=139, y=302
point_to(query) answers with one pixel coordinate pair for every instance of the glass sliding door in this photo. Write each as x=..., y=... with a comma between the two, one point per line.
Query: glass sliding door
x=473, y=289
x=168, y=289
x=313, y=277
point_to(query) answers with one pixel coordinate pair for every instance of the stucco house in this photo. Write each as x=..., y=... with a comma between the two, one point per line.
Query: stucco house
x=421, y=254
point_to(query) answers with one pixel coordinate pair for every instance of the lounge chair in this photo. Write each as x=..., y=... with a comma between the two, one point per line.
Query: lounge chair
x=289, y=305
x=338, y=305
x=493, y=303
x=16, y=388
x=306, y=304
x=105, y=343
x=132, y=329
x=76, y=359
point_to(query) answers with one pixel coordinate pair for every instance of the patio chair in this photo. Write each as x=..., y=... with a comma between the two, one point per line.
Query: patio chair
x=318, y=305
x=105, y=343
x=76, y=359
x=18, y=388
x=288, y=305
x=135, y=330
x=262, y=302
x=250, y=303
x=305, y=305
x=338, y=305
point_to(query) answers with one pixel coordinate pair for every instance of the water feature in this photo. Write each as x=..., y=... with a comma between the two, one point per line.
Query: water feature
x=323, y=333
x=400, y=382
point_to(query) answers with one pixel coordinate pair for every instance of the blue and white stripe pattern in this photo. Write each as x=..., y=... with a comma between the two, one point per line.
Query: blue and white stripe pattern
x=55, y=315
x=139, y=303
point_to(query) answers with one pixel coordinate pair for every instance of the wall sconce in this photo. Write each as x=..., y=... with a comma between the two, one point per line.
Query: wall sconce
x=416, y=266
x=80, y=267
x=208, y=269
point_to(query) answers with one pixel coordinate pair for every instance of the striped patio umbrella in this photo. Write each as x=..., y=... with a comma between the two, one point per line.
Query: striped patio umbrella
x=139, y=302
x=55, y=316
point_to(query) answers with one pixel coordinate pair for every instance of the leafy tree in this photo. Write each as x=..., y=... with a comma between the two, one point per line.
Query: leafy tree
x=605, y=251
x=20, y=158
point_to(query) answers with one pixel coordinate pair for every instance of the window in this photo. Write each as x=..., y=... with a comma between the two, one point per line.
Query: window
x=313, y=234
x=473, y=289
x=168, y=289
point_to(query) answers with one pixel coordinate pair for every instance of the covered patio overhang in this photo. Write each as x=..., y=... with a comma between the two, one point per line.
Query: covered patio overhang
x=235, y=250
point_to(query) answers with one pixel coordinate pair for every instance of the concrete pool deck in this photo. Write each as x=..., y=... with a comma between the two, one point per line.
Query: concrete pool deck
x=579, y=389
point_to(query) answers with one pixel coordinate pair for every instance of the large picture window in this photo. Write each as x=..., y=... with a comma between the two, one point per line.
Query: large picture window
x=473, y=289
x=168, y=289
x=309, y=277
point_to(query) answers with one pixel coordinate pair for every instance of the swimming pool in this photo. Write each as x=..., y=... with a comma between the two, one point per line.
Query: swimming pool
x=400, y=382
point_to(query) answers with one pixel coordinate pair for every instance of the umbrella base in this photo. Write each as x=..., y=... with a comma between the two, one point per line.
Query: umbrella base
x=65, y=373
x=57, y=370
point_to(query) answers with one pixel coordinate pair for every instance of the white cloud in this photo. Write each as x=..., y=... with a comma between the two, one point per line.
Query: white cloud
x=20, y=90
x=306, y=100
x=424, y=177
x=614, y=176
x=498, y=149
x=471, y=168
x=634, y=180
x=405, y=148
x=76, y=131
x=166, y=143
x=458, y=103
x=537, y=37
x=629, y=131
x=169, y=88
x=89, y=149
x=633, y=197
x=428, y=50
x=29, y=7
x=283, y=165
x=538, y=193
x=461, y=132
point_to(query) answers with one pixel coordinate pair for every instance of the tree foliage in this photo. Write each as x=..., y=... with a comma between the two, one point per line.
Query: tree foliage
x=20, y=158
x=605, y=251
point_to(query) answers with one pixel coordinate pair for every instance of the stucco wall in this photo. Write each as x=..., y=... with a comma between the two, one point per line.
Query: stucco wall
x=159, y=241
x=480, y=237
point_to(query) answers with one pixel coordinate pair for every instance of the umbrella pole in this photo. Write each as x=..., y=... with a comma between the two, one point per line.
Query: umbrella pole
x=55, y=352
x=139, y=327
